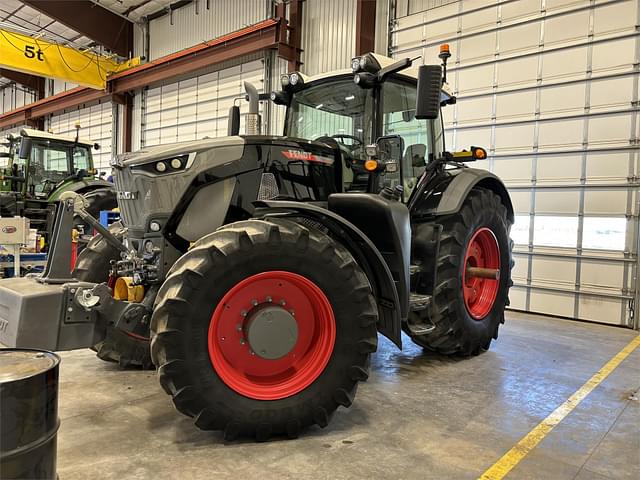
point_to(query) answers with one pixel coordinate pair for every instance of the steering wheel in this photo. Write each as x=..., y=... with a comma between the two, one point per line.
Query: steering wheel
x=357, y=141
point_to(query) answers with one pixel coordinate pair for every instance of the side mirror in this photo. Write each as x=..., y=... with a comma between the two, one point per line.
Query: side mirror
x=428, y=93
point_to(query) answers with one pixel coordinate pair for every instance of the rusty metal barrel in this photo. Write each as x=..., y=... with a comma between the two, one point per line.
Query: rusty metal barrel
x=28, y=413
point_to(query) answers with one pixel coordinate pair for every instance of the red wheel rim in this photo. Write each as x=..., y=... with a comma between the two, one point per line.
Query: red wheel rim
x=480, y=293
x=231, y=354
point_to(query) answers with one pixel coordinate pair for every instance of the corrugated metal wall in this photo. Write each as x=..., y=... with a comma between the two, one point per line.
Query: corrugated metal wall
x=198, y=107
x=551, y=88
x=14, y=96
x=96, y=125
x=328, y=35
x=195, y=23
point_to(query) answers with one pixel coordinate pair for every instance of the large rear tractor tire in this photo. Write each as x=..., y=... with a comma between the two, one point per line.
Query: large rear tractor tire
x=468, y=311
x=263, y=328
x=93, y=265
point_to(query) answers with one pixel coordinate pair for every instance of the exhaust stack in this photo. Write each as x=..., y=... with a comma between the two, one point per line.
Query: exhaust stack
x=252, y=120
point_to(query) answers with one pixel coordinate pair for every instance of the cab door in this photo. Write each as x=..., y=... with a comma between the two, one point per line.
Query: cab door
x=398, y=118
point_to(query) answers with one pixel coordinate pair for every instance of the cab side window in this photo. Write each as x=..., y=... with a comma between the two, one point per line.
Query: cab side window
x=398, y=104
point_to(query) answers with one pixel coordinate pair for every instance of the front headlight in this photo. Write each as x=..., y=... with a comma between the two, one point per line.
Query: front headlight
x=294, y=78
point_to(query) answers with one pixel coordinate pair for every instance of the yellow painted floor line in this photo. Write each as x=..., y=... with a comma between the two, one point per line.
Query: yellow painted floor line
x=510, y=459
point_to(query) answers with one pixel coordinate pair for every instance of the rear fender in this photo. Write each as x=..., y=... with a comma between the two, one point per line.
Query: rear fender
x=363, y=250
x=448, y=193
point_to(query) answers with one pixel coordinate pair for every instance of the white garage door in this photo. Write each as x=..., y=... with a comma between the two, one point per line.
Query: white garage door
x=550, y=87
x=198, y=107
x=95, y=125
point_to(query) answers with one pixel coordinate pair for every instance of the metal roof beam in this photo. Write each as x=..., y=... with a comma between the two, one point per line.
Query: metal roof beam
x=264, y=35
x=93, y=21
x=27, y=80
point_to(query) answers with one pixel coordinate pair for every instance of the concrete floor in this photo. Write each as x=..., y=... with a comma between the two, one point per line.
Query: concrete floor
x=418, y=416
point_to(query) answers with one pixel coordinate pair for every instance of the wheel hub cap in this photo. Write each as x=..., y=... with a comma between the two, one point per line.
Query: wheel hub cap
x=272, y=332
x=271, y=335
x=480, y=293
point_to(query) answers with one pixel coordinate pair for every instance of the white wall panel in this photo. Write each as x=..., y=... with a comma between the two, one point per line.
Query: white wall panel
x=328, y=35
x=195, y=23
x=551, y=89
x=198, y=107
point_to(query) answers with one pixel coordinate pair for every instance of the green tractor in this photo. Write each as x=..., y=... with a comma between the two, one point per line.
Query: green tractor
x=38, y=167
x=256, y=271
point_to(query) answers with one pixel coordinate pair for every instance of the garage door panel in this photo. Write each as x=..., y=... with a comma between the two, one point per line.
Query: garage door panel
x=560, y=134
x=516, y=104
x=605, y=202
x=613, y=56
x=520, y=38
x=562, y=4
x=477, y=47
x=521, y=201
x=566, y=64
x=476, y=79
x=522, y=8
x=607, y=166
x=610, y=130
x=472, y=136
x=564, y=99
x=601, y=273
x=520, y=268
x=563, y=28
x=474, y=110
x=480, y=19
x=611, y=93
x=559, y=169
x=518, y=71
x=615, y=18
x=557, y=202
x=518, y=298
x=600, y=309
x=514, y=138
x=552, y=303
x=561, y=271
x=513, y=170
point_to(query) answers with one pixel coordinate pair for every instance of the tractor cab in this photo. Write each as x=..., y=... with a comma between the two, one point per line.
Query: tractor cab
x=353, y=110
x=40, y=162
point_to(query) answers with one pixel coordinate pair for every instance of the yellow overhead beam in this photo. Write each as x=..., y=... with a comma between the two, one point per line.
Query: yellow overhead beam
x=47, y=59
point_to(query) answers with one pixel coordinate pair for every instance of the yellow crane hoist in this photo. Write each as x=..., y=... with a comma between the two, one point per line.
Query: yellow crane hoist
x=52, y=60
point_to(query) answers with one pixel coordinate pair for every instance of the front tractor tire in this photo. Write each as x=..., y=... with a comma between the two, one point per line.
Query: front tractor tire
x=468, y=311
x=93, y=265
x=263, y=328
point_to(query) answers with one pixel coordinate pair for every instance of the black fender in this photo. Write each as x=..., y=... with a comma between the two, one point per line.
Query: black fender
x=446, y=193
x=363, y=250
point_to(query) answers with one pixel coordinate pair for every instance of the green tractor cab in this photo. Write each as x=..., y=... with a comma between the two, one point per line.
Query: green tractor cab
x=38, y=167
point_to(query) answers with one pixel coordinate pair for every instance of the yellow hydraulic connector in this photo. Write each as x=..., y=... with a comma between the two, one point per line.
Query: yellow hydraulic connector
x=52, y=60
x=124, y=289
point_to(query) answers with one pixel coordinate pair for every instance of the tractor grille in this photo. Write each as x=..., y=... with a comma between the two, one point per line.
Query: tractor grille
x=141, y=196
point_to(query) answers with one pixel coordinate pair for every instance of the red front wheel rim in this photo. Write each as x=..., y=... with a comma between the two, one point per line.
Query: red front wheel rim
x=480, y=293
x=288, y=296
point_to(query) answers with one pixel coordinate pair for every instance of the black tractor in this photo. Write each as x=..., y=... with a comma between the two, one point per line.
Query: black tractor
x=255, y=272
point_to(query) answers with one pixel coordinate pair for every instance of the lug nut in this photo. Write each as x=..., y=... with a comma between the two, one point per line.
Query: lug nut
x=283, y=303
x=242, y=341
x=239, y=327
x=243, y=313
x=293, y=314
x=269, y=299
x=254, y=302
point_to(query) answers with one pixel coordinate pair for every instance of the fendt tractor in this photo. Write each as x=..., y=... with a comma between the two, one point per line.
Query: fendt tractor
x=255, y=271
x=38, y=167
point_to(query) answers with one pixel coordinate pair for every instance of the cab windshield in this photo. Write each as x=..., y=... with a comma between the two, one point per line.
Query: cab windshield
x=338, y=109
